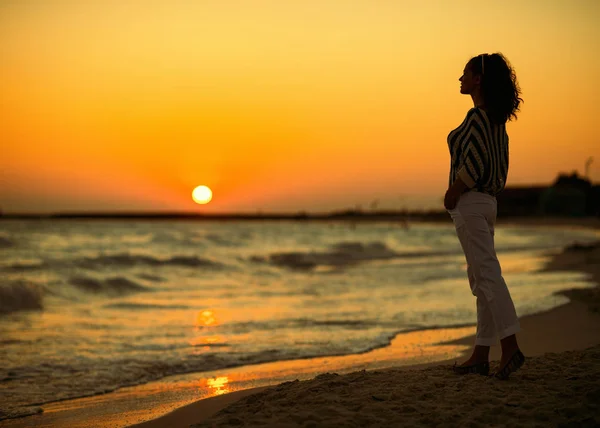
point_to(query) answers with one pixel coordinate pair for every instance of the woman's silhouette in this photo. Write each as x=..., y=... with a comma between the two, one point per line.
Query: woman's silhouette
x=478, y=171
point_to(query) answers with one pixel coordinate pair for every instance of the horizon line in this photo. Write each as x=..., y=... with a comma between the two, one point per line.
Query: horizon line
x=246, y=214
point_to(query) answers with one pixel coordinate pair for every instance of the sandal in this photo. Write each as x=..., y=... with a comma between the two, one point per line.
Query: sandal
x=515, y=362
x=479, y=368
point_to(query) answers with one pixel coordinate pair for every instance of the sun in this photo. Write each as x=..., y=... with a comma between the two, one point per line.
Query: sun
x=202, y=195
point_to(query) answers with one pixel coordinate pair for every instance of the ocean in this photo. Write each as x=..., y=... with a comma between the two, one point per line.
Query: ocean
x=89, y=306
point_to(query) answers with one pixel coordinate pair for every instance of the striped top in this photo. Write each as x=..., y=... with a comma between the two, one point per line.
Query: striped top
x=479, y=153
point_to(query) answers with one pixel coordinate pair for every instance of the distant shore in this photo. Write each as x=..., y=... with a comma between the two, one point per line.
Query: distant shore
x=351, y=215
x=403, y=218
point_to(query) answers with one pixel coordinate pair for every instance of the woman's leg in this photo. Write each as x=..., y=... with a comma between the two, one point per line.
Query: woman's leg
x=508, y=342
x=490, y=286
x=486, y=331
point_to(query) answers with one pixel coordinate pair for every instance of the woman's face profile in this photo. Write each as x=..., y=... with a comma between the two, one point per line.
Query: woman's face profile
x=468, y=81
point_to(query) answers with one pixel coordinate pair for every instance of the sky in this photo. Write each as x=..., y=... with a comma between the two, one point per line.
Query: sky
x=278, y=106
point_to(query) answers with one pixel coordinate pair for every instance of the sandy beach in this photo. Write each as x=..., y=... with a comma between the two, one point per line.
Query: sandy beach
x=559, y=384
x=557, y=389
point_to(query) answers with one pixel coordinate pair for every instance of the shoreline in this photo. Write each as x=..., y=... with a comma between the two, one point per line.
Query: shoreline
x=589, y=334
x=535, y=326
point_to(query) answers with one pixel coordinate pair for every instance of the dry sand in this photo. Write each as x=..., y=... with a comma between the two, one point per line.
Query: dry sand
x=552, y=389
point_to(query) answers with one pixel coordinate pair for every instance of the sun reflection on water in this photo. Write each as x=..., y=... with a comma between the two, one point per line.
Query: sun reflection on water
x=206, y=319
x=218, y=385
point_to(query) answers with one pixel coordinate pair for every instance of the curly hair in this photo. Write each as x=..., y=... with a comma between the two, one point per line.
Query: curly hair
x=499, y=86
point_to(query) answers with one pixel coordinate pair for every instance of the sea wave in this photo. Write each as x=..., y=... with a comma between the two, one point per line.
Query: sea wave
x=20, y=296
x=26, y=266
x=6, y=242
x=351, y=253
x=144, y=306
x=243, y=327
x=153, y=278
x=130, y=260
x=112, y=286
x=19, y=412
x=341, y=254
x=220, y=240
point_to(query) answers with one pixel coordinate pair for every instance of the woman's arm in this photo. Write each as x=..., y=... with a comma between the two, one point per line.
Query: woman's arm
x=474, y=160
x=453, y=193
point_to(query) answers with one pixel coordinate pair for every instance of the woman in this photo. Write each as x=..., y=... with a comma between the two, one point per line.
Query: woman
x=478, y=171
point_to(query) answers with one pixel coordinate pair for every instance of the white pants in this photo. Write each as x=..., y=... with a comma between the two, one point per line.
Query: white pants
x=474, y=218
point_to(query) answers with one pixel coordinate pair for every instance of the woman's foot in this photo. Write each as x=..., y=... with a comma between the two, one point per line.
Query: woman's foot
x=513, y=363
x=481, y=354
x=482, y=368
x=506, y=356
x=512, y=357
x=474, y=360
x=478, y=363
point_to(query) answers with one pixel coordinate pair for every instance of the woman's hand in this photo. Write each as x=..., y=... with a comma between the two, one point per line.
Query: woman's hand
x=451, y=199
x=453, y=193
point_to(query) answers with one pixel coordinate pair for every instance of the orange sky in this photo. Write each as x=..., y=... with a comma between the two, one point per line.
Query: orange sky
x=277, y=106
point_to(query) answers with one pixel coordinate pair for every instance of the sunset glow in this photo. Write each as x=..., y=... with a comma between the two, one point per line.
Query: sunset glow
x=280, y=106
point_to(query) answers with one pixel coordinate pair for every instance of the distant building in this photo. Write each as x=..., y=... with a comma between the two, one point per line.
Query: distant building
x=569, y=195
x=520, y=201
